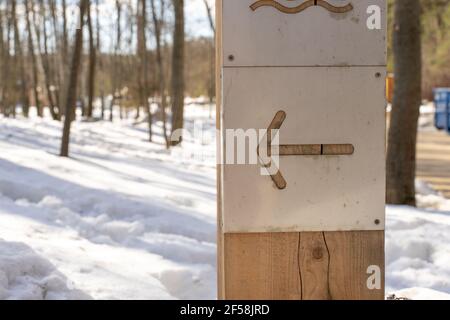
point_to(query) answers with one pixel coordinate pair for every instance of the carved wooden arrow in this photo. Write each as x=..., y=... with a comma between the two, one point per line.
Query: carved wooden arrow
x=301, y=7
x=296, y=149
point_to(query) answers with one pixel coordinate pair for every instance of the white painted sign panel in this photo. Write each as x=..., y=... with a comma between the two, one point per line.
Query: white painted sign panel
x=323, y=106
x=315, y=70
x=304, y=33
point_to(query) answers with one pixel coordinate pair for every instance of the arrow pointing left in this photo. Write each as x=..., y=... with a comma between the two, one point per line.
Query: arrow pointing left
x=266, y=150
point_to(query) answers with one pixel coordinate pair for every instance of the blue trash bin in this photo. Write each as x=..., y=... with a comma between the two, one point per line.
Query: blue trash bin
x=442, y=104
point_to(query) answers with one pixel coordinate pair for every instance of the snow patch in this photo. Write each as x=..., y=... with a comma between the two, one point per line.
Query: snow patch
x=121, y=219
x=26, y=275
x=418, y=247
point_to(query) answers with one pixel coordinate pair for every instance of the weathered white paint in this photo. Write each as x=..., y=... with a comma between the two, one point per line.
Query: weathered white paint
x=314, y=37
x=330, y=105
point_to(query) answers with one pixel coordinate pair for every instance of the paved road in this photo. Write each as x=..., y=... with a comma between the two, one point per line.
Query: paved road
x=433, y=160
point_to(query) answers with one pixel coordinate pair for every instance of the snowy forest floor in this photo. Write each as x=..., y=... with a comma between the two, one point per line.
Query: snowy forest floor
x=126, y=219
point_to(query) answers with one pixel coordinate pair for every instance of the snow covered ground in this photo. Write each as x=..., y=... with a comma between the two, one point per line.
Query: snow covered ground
x=418, y=247
x=126, y=219
x=123, y=218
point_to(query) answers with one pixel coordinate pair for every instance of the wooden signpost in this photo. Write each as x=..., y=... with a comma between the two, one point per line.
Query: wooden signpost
x=313, y=71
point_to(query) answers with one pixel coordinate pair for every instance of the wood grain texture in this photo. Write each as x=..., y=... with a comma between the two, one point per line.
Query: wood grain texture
x=315, y=149
x=307, y=265
x=351, y=254
x=300, y=149
x=314, y=261
x=262, y=266
x=337, y=149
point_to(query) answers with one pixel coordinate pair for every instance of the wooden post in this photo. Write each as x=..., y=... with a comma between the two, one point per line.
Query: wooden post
x=341, y=255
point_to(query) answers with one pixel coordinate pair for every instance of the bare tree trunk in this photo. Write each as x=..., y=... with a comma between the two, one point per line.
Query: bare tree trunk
x=33, y=59
x=20, y=58
x=116, y=72
x=65, y=37
x=72, y=88
x=209, y=14
x=111, y=108
x=401, y=154
x=99, y=58
x=160, y=68
x=103, y=105
x=212, y=77
x=5, y=64
x=97, y=25
x=63, y=60
x=178, y=69
x=58, y=60
x=143, y=56
x=92, y=64
x=46, y=64
x=2, y=51
x=2, y=63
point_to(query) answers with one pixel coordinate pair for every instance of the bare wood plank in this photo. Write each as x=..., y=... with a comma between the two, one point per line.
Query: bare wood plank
x=331, y=265
x=351, y=253
x=262, y=266
x=314, y=261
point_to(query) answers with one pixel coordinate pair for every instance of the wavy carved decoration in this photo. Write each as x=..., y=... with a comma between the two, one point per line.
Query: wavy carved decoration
x=305, y=5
